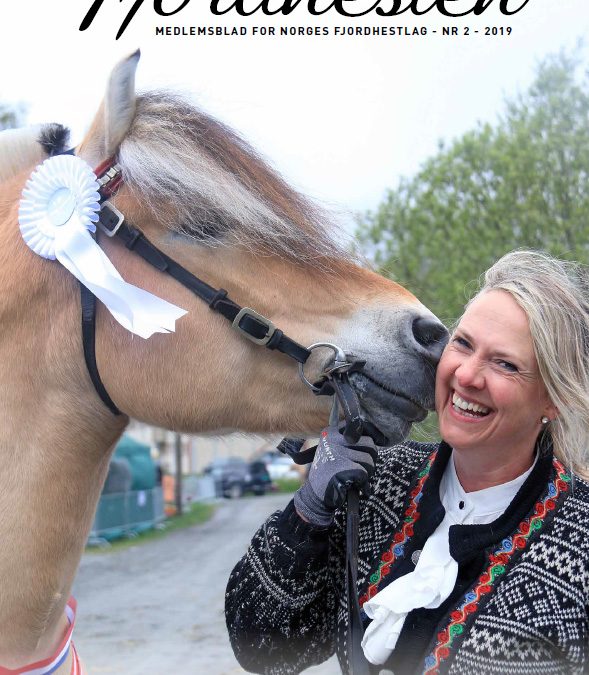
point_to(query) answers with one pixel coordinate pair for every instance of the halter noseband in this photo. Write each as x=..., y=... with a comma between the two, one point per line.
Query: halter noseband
x=244, y=320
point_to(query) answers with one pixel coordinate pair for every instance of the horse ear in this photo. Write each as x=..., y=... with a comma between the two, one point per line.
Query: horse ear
x=115, y=115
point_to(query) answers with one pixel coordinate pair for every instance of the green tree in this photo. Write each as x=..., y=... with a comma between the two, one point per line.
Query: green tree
x=10, y=116
x=520, y=182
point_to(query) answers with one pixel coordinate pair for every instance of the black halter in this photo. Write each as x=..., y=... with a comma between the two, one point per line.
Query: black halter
x=244, y=320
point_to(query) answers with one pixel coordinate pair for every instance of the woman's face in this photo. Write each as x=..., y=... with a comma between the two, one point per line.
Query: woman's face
x=489, y=394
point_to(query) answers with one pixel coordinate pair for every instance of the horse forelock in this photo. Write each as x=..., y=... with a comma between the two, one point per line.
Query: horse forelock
x=54, y=138
x=23, y=148
x=204, y=181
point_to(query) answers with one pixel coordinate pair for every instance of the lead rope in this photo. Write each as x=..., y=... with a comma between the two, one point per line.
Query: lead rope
x=357, y=663
x=336, y=382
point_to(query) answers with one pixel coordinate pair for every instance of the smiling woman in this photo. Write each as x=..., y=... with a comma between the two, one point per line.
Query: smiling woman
x=553, y=299
x=473, y=553
x=489, y=394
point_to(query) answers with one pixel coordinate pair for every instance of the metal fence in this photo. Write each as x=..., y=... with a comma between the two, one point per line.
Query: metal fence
x=125, y=514
x=197, y=489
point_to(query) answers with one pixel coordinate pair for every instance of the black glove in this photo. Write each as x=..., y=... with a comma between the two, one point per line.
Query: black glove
x=337, y=466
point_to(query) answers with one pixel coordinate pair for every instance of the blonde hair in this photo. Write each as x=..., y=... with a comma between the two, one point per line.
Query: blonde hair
x=554, y=294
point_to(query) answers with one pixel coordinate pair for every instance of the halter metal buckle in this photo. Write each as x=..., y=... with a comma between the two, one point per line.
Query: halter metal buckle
x=110, y=219
x=270, y=327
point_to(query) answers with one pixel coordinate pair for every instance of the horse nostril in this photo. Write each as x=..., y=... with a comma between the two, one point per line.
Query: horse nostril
x=431, y=334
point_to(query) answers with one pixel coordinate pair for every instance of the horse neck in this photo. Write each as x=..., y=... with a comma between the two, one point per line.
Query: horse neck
x=54, y=447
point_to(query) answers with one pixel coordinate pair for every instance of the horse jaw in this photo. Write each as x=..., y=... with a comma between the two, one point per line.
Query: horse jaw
x=115, y=115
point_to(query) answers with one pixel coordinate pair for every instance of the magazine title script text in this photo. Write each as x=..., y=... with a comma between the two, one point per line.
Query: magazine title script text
x=348, y=8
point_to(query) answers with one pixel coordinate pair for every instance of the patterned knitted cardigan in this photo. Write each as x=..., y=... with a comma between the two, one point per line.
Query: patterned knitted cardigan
x=524, y=611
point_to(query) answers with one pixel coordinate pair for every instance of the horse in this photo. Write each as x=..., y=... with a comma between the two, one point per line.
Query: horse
x=203, y=196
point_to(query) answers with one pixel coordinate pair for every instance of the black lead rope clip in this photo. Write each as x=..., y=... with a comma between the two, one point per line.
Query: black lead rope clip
x=344, y=397
x=334, y=381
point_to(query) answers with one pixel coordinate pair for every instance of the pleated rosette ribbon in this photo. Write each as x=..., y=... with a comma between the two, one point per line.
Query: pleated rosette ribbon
x=57, y=214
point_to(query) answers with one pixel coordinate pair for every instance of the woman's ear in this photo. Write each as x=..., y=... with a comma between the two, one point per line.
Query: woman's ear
x=550, y=411
x=115, y=115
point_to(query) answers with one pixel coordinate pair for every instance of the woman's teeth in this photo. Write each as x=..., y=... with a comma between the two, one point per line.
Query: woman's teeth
x=469, y=409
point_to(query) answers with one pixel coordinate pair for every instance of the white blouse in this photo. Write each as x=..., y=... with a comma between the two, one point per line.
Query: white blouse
x=434, y=576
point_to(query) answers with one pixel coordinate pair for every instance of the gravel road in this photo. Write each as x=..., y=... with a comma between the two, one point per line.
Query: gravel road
x=157, y=609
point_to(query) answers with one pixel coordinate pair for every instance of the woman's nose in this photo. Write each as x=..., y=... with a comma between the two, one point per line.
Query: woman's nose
x=470, y=374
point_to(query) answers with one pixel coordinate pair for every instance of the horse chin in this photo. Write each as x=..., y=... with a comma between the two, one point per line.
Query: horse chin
x=387, y=415
x=385, y=426
x=387, y=431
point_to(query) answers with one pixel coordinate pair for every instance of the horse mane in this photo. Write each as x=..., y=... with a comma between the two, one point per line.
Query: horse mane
x=28, y=146
x=205, y=182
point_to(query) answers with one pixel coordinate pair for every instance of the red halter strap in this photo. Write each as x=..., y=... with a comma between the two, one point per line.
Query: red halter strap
x=109, y=177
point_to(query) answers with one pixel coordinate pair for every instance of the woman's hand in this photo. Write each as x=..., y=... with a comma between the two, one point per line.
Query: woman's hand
x=337, y=466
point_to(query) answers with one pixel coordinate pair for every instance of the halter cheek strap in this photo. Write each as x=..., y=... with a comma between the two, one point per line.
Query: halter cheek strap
x=88, y=303
x=251, y=325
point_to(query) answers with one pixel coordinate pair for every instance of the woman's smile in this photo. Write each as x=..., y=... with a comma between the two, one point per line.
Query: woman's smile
x=466, y=409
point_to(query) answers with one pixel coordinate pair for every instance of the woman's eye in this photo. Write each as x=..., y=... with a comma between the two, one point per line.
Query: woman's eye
x=506, y=365
x=460, y=341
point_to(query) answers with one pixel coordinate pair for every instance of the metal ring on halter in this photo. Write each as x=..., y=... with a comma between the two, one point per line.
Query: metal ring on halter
x=340, y=362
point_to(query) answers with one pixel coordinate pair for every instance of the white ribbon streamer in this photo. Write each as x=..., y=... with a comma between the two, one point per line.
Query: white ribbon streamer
x=57, y=212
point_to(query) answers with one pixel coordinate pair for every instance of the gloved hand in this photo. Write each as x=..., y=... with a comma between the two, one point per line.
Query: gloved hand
x=336, y=467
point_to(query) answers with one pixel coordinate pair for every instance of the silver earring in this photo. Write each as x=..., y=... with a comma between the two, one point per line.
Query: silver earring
x=545, y=420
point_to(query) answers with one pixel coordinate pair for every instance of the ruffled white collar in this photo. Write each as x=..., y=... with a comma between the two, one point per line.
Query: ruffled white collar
x=435, y=574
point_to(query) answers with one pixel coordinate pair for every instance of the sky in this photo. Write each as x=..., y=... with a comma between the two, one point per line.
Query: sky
x=341, y=117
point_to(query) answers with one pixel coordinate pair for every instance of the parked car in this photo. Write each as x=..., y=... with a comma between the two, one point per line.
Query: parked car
x=281, y=466
x=234, y=477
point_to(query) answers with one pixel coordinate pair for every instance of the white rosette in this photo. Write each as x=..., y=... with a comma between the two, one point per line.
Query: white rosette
x=58, y=211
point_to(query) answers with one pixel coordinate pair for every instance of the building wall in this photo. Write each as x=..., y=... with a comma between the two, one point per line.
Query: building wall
x=197, y=451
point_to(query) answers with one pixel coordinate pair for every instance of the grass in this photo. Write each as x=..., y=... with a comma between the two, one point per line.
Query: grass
x=197, y=513
x=287, y=485
x=426, y=431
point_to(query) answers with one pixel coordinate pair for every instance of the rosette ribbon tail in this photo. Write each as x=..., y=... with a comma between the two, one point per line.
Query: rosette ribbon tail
x=135, y=309
x=58, y=211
